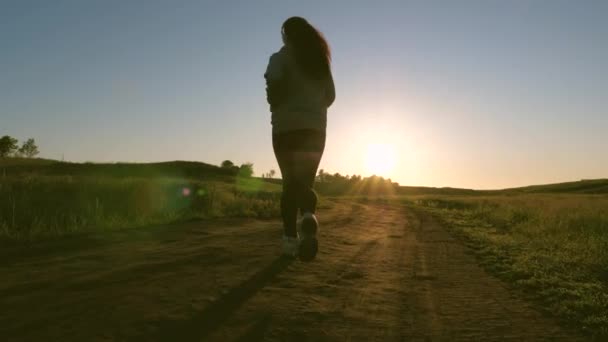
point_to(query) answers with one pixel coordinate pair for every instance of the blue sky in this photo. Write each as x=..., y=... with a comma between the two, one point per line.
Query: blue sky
x=481, y=94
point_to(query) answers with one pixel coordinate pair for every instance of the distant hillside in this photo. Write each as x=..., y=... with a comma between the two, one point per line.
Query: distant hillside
x=424, y=190
x=181, y=169
x=585, y=186
x=199, y=170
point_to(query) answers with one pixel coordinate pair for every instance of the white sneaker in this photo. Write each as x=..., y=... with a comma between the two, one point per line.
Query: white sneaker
x=291, y=245
x=309, y=245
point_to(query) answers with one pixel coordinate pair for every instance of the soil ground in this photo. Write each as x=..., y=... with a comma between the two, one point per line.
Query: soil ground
x=384, y=273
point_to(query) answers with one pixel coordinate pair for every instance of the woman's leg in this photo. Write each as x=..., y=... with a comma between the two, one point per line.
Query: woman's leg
x=311, y=145
x=289, y=207
x=298, y=154
x=307, y=162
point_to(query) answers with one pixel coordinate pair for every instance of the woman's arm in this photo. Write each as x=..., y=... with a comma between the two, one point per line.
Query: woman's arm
x=274, y=75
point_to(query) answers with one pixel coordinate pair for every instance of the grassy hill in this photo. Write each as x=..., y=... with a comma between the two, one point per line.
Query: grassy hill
x=585, y=186
x=177, y=169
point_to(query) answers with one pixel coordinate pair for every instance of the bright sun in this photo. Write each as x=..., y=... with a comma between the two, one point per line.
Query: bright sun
x=380, y=159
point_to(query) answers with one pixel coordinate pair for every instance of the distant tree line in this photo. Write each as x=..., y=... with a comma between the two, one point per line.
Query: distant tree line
x=334, y=184
x=324, y=177
x=245, y=170
x=9, y=147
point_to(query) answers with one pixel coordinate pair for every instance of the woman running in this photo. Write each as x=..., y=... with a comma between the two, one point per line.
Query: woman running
x=299, y=89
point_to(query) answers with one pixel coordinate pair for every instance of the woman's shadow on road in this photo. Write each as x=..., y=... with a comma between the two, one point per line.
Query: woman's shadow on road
x=213, y=316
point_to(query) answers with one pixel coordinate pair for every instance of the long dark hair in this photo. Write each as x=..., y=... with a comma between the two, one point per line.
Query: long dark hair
x=311, y=51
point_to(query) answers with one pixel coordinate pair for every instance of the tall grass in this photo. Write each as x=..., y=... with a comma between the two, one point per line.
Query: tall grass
x=553, y=246
x=38, y=206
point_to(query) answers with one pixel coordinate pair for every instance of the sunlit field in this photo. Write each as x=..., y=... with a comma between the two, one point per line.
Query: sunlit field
x=43, y=198
x=52, y=206
x=553, y=247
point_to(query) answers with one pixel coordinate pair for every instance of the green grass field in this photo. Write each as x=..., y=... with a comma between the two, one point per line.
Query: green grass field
x=40, y=198
x=554, y=247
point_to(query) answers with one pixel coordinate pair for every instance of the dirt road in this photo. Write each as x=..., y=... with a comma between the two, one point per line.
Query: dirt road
x=384, y=273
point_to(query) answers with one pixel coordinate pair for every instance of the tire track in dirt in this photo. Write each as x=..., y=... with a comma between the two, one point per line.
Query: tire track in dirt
x=372, y=300
x=351, y=292
x=392, y=274
x=459, y=301
x=426, y=316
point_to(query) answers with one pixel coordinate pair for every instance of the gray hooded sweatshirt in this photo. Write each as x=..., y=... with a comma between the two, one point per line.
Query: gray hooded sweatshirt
x=296, y=100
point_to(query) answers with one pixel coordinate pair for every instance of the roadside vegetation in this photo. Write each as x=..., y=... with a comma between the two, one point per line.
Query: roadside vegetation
x=554, y=247
x=44, y=198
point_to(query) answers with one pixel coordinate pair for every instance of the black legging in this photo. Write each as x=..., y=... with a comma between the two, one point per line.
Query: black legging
x=298, y=154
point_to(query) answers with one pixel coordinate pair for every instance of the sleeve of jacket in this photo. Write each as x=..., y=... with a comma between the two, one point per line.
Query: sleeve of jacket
x=275, y=80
